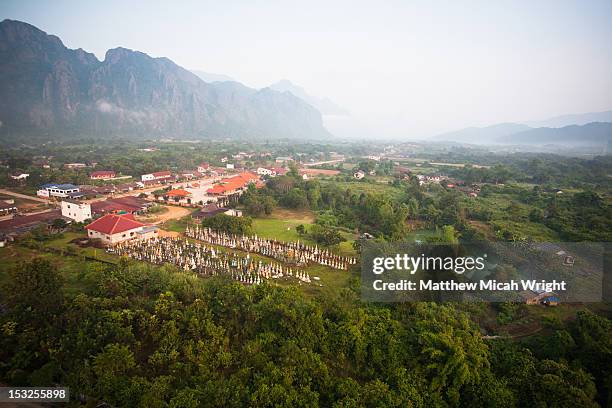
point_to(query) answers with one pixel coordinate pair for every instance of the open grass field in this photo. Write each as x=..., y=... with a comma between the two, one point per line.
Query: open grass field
x=176, y=225
x=281, y=226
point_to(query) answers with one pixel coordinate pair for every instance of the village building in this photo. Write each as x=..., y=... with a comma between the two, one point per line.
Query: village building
x=540, y=297
x=20, y=176
x=120, y=205
x=280, y=171
x=56, y=190
x=7, y=208
x=103, y=190
x=210, y=210
x=76, y=211
x=233, y=185
x=359, y=174
x=126, y=187
x=113, y=228
x=263, y=171
x=159, y=176
x=229, y=166
x=102, y=175
x=203, y=167
x=78, y=195
x=178, y=196
x=75, y=165
x=19, y=225
x=429, y=179
x=271, y=171
x=190, y=174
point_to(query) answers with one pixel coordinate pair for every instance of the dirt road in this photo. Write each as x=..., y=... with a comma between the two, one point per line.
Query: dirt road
x=172, y=213
x=25, y=197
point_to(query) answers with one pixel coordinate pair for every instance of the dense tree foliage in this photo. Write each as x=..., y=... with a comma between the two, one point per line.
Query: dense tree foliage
x=157, y=337
x=229, y=224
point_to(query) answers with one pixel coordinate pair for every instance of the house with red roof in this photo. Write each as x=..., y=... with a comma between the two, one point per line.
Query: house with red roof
x=203, y=167
x=114, y=228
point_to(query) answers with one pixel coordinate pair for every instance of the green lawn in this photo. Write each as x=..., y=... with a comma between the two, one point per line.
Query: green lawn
x=281, y=226
x=177, y=225
x=282, y=230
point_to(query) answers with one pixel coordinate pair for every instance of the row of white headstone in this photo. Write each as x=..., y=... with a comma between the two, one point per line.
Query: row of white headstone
x=205, y=260
x=288, y=252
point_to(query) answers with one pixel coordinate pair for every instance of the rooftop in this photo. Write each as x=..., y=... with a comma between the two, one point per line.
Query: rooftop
x=59, y=186
x=114, y=224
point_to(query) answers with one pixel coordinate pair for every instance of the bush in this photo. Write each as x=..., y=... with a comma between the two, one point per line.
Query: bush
x=229, y=224
x=325, y=236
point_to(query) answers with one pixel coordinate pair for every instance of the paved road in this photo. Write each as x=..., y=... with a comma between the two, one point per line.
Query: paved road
x=26, y=197
x=204, y=183
x=323, y=162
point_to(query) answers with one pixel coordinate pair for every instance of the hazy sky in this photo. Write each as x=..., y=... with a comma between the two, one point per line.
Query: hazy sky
x=403, y=69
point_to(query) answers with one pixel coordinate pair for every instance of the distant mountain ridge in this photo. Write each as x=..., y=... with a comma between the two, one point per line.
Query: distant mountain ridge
x=325, y=105
x=574, y=135
x=590, y=133
x=48, y=90
x=478, y=135
x=573, y=119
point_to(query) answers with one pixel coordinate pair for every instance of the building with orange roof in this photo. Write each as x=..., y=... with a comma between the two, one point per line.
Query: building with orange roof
x=233, y=185
x=178, y=195
x=178, y=192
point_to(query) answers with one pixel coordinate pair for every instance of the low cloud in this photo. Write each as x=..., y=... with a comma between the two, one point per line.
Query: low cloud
x=107, y=107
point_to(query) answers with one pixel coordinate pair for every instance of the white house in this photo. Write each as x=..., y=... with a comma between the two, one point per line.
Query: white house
x=359, y=174
x=159, y=176
x=20, y=176
x=57, y=190
x=229, y=166
x=75, y=165
x=112, y=229
x=77, y=211
x=262, y=171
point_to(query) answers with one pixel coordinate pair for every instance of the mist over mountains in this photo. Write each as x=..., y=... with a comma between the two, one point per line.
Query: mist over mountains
x=48, y=90
x=573, y=119
x=581, y=133
x=325, y=105
x=211, y=77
